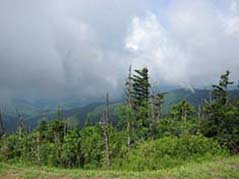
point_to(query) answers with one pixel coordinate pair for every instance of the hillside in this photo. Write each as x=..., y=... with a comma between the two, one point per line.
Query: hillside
x=78, y=112
x=171, y=98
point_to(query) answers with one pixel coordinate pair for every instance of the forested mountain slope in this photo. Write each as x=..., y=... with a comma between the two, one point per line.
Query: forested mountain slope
x=79, y=113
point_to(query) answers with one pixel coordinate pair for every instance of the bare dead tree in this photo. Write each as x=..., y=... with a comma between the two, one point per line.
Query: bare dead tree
x=152, y=106
x=66, y=126
x=105, y=122
x=1, y=124
x=21, y=125
x=199, y=112
x=38, y=141
x=107, y=110
x=157, y=101
x=129, y=102
x=184, y=118
x=4, y=148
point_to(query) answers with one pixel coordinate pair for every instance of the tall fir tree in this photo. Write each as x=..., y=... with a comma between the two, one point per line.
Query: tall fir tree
x=140, y=91
x=221, y=115
x=219, y=92
x=141, y=103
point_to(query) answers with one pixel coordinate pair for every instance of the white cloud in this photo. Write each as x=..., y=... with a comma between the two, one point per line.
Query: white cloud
x=61, y=48
x=199, y=42
x=153, y=47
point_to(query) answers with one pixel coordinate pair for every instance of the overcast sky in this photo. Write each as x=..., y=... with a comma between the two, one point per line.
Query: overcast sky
x=63, y=48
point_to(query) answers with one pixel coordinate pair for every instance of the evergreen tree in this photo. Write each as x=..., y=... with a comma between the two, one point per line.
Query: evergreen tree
x=140, y=97
x=180, y=122
x=221, y=115
x=71, y=150
x=183, y=114
x=140, y=91
x=92, y=147
x=219, y=92
x=213, y=125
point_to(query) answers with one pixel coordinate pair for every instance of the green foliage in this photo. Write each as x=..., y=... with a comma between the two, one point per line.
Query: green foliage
x=118, y=146
x=13, y=145
x=56, y=131
x=169, y=152
x=140, y=91
x=92, y=146
x=123, y=114
x=71, y=150
x=219, y=92
x=221, y=121
x=139, y=137
x=181, y=121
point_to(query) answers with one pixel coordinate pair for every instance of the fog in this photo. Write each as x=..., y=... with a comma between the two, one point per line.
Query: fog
x=59, y=49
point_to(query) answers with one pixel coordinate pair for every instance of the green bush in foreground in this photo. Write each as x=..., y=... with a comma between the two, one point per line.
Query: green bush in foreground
x=171, y=151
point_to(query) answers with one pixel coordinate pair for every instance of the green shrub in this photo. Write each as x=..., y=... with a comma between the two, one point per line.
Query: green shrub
x=171, y=151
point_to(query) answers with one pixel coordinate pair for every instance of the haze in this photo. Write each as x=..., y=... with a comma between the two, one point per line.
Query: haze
x=65, y=48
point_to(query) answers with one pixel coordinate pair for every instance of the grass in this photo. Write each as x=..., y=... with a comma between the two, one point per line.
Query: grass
x=219, y=168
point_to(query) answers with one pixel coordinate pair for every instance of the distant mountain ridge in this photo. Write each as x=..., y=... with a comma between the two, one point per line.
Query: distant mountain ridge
x=195, y=97
x=77, y=112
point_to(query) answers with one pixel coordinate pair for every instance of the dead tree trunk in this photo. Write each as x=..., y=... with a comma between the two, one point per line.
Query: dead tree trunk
x=106, y=136
x=105, y=124
x=184, y=119
x=107, y=110
x=199, y=111
x=1, y=124
x=129, y=104
x=65, y=128
x=4, y=148
x=21, y=126
x=38, y=147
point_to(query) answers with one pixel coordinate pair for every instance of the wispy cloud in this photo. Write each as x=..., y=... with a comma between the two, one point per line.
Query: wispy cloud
x=82, y=48
x=200, y=41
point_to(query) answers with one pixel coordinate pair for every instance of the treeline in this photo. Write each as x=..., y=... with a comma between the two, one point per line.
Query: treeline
x=141, y=138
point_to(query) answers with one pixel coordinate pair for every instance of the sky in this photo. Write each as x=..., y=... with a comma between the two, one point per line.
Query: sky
x=83, y=48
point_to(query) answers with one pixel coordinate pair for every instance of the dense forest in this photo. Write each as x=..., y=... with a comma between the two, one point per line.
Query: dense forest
x=140, y=137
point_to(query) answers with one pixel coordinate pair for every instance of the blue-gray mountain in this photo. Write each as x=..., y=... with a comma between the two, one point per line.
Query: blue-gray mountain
x=79, y=112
